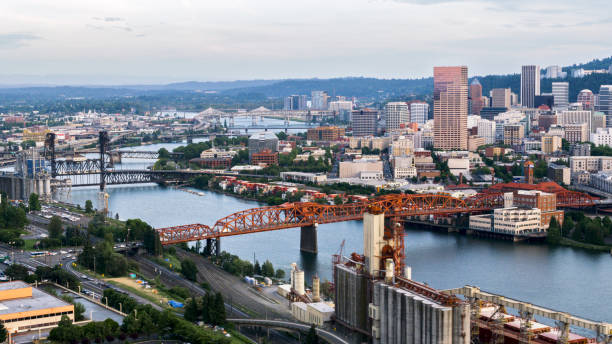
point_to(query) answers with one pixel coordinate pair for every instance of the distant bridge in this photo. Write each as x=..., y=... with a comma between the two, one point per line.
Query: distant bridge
x=271, y=126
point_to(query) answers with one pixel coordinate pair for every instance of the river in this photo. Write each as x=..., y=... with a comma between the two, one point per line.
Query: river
x=567, y=279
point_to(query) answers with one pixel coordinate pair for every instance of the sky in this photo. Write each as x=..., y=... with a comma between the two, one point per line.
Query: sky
x=160, y=41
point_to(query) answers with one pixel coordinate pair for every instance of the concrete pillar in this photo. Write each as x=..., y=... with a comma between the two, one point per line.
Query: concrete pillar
x=308, y=239
x=218, y=247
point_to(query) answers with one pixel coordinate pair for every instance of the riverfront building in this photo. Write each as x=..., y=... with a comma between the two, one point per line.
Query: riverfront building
x=261, y=141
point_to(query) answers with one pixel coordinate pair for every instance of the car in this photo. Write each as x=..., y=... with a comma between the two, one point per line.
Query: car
x=83, y=276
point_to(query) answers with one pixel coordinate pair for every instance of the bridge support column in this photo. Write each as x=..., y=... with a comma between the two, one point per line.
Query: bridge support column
x=213, y=247
x=308, y=239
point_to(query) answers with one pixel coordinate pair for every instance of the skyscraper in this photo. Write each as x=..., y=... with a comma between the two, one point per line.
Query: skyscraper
x=450, y=107
x=605, y=103
x=319, y=100
x=396, y=113
x=419, y=112
x=475, y=97
x=501, y=98
x=364, y=122
x=530, y=85
x=560, y=92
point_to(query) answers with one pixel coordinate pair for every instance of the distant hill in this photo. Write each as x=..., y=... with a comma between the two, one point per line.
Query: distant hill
x=604, y=63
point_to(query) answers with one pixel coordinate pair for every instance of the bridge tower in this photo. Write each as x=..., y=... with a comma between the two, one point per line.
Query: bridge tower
x=50, y=151
x=103, y=141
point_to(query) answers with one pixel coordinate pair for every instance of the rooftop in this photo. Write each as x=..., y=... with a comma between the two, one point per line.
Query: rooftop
x=39, y=300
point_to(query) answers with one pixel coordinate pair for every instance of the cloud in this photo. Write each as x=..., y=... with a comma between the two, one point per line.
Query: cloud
x=16, y=39
x=109, y=19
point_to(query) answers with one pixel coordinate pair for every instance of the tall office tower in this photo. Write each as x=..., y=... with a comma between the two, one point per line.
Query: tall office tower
x=605, y=99
x=501, y=98
x=530, y=85
x=396, y=113
x=555, y=72
x=560, y=91
x=319, y=100
x=419, y=112
x=288, y=103
x=475, y=97
x=450, y=107
x=364, y=122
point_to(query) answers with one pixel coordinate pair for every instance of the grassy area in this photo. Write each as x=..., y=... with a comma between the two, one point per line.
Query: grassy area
x=169, y=261
x=29, y=244
x=573, y=243
x=157, y=299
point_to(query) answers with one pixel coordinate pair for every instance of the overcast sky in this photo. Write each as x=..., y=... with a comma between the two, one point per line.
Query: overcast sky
x=138, y=41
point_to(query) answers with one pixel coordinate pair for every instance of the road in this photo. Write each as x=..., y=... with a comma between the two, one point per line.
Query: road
x=325, y=334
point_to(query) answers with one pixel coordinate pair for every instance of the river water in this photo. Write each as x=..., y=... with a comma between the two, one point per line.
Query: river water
x=567, y=279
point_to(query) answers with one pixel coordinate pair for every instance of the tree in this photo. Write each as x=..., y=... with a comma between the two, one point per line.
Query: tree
x=219, y=307
x=311, y=337
x=568, y=226
x=3, y=333
x=189, y=269
x=79, y=310
x=55, y=227
x=280, y=273
x=17, y=272
x=34, y=202
x=88, y=206
x=191, y=310
x=163, y=153
x=337, y=200
x=554, y=232
x=267, y=269
x=257, y=268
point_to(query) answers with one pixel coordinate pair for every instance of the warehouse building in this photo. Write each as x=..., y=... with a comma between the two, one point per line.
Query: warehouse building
x=24, y=308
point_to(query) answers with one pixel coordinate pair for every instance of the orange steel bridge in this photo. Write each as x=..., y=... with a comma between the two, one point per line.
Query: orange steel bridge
x=292, y=215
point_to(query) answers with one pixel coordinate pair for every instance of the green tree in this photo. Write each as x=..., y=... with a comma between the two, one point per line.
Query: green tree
x=257, y=268
x=79, y=310
x=568, y=226
x=192, y=312
x=311, y=337
x=163, y=153
x=554, y=232
x=55, y=227
x=189, y=269
x=337, y=200
x=88, y=206
x=34, y=202
x=280, y=273
x=267, y=269
x=219, y=309
x=3, y=333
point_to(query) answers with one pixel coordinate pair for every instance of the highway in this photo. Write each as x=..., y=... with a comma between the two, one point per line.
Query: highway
x=289, y=325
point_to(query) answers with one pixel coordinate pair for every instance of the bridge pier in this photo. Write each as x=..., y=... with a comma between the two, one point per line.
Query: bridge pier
x=213, y=247
x=308, y=239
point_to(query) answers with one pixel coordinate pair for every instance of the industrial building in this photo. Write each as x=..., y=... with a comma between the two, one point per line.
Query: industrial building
x=376, y=298
x=262, y=141
x=25, y=308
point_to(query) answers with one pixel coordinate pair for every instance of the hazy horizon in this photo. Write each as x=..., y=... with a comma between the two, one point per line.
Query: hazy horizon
x=159, y=42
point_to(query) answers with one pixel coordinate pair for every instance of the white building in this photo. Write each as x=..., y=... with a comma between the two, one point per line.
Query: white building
x=354, y=169
x=403, y=167
x=591, y=164
x=575, y=117
x=506, y=118
x=315, y=313
x=419, y=111
x=396, y=113
x=486, y=129
x=602, y=181
x=602, y=137
x=511, y=221
x=560, y=91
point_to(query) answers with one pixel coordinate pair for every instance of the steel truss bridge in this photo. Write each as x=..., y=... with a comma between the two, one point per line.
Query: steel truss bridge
x=119, y=177
x=292, y=215
x=143, y=154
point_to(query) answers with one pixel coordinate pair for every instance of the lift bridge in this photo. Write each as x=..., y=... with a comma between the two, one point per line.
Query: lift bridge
x=99, y=171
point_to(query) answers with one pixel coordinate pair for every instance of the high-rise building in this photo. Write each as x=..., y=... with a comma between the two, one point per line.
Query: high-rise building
x=419, y=112
x=560, y=91
x=486, y=129
x=475, y=97
x=450, y=107
x=364, y=122
x=586, y=98
x=555, y=72
x=530, y=85
x=295, y=102
x=396, y=113
x=575, y=117
x=501, y=98
x=319, y=100
x=605, y=100
x=514, y=134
